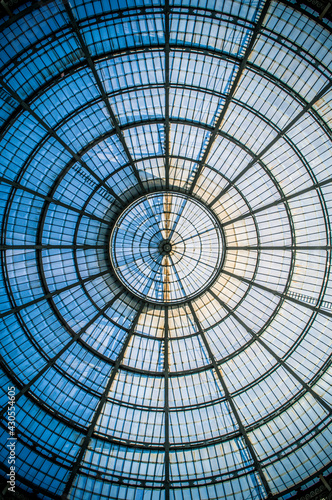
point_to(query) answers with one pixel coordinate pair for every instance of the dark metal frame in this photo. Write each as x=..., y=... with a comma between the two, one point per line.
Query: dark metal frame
x=243, y=63
x=216, y=271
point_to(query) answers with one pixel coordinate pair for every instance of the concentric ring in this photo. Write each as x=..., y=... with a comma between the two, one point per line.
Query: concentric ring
x=167, y=247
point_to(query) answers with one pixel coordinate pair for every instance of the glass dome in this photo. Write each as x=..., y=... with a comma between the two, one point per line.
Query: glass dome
x=166, y=293
x=166, y=248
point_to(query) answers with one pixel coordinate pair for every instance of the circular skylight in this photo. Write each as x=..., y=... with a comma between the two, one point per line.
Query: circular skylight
x=166, y=247
x=166, y=293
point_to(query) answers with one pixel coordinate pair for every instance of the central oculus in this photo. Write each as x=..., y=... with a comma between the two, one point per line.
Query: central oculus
x=167, y=247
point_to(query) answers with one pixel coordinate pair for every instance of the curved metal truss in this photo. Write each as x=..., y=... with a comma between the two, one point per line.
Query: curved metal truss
x=128, y=128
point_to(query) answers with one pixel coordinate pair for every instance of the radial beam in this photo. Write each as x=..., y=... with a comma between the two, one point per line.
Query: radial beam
x=195, y=50
x=166, y=405
x=55, y=358
x=167, y=86
x=278, y=294
x=167, y=202
x=101, y=403
x=47, y=296
x=262, y=248
x=283, y=199
x=231, y=93
x=280, y=134
x=114, y=121
x=50, y=247
x=273, y=354
x=44, y=197
x=55, y=136
x=230, y=401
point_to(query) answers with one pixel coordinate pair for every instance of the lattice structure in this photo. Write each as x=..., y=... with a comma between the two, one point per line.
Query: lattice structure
x=166, y=295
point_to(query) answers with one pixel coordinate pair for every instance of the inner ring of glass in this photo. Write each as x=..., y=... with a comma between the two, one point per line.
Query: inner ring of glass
x=167, y=247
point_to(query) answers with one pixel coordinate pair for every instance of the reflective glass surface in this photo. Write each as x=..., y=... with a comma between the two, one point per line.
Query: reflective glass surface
x=166, y=291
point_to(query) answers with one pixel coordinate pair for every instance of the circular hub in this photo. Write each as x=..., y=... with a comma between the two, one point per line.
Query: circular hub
x=166, y=247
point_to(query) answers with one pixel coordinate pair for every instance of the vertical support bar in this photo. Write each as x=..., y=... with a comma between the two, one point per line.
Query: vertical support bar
x=167, y=259
x=231, y=93
x=101, y=404
x=166, y=407
x=167, y=84
x=231, y=403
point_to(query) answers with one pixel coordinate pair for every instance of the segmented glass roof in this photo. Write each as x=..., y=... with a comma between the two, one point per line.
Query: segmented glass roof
x=144, y=366
x=166, y=247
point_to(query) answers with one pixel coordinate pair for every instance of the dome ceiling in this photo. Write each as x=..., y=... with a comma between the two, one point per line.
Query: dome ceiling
x=166, y=296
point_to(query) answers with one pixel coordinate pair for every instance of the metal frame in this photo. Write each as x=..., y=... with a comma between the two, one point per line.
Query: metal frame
x=101, y=403
x=217, y=269
x=232, y=405
x=114, y=121
x=118, y=130
x=231, y=93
